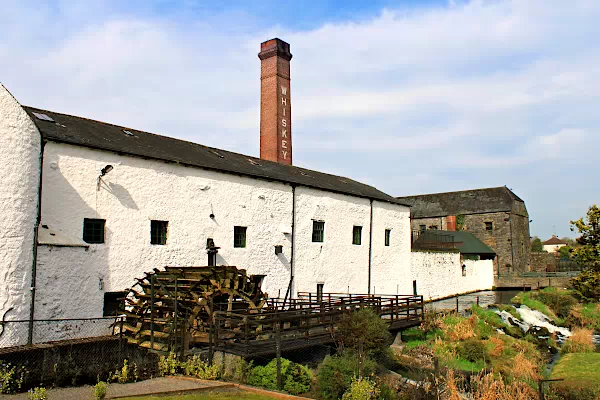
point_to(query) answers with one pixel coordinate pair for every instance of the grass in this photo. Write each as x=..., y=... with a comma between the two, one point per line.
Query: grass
x=579, y=342
x=586, y=315
x=218, y=395
x=578, y=369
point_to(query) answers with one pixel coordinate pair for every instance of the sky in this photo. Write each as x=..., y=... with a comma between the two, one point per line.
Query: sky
x=410, y=96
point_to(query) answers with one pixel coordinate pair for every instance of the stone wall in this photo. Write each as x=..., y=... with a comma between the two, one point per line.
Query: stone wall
x=440, y=274
x=543, y=262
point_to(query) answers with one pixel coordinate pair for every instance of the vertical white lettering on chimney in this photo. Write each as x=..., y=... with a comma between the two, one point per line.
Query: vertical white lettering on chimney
x=284, y=154
x=283, y=144
x=284, y=133
x=284, y=91
x=283, y=122
x=284, y=101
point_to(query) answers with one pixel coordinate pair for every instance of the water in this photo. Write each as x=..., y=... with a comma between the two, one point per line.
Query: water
x=465, y=302
x=535, y=318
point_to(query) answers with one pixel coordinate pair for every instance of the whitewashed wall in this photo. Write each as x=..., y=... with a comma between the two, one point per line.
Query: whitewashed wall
x=439, y=274
x=137, y=191
x=20, y=144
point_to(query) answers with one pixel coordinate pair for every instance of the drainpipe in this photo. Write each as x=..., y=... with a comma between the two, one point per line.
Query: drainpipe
x=38, y=219
x=370, y=244
x=293, y=237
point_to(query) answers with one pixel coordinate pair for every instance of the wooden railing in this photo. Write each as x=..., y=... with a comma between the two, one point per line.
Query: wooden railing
x=307, y=320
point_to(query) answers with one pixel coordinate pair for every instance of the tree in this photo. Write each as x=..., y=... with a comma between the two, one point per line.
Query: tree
x=565, y=252
x=536, y=244
x=364, y=329
x=587, y=284
x=570, y=242
x=589, y=241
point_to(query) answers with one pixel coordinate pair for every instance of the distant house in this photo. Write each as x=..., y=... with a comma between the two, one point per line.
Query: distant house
x=496, y=216
x=553, y=244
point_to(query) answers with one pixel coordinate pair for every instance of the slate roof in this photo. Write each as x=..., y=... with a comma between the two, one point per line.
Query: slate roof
x=104, y=136
x=468, y=243
x=476, y=201
x=554, y=240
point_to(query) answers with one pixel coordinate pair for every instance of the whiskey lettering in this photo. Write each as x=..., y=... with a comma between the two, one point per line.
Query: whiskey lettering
x=284, y=127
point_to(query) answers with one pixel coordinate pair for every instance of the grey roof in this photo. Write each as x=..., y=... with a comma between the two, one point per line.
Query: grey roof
x=467, y=242
x=476, y=201
x=100, y=135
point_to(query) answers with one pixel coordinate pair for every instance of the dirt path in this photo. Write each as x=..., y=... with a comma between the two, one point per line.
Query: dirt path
x=115, y=391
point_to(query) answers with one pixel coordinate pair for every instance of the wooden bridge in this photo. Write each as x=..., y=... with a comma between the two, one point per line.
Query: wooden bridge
x=305, y=321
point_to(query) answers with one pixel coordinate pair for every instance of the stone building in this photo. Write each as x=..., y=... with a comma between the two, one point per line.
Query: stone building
x=496, y=216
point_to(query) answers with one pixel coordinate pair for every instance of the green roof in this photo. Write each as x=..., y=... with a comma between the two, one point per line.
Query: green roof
x=467, y=243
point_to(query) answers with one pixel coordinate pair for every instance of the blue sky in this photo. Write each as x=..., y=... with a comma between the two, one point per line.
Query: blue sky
x=408, y=96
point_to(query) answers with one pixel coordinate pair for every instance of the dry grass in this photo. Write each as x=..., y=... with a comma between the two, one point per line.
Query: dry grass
x=498, y=347
x=490, y=387
x=525, y=368
x=579, y=342
x=464, y=329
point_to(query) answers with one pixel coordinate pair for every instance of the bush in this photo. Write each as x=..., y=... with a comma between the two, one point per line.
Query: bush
x=586, y=285
x=296, y=378
x=126, y=374
x=168, y=365
x=37, y=393
x=361, y=389
x=336, y=372
x=194, y=366
x=473, y=350
x=100, y=390
x=559, y=301
x=364, y=326
x=11, y=378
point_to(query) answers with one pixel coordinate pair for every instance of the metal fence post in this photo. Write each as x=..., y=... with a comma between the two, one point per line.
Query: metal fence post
x=457, y=304
x=278, y=352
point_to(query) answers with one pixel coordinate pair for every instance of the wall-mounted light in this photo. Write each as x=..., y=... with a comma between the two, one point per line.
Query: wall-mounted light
x=100, y=283
x=103, y=172
x=278, y=249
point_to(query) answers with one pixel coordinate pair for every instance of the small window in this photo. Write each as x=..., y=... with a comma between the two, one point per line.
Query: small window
x=93, y=230
x=318, y=233
x=158, y=232
x=489, y=226
x=356, y=234
x=239, y=236
x=320, y=292
x=422, y=228
x=114, y=303
x=464, y=270
x=433, y=227
x=388, y=232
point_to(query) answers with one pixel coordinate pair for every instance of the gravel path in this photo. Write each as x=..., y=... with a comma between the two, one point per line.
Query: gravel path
x=147, y=387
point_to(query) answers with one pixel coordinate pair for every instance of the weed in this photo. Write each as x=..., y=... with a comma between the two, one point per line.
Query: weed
x=38, y=393
x=579, y=342
x=11, y=378
x=168, y=365
x=362, y=389
x=100, y=390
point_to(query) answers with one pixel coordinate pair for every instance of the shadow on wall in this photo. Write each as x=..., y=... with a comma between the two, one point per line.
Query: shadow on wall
x=121, y=194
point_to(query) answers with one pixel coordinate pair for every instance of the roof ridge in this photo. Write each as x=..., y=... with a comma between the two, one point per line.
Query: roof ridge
x=454, y=191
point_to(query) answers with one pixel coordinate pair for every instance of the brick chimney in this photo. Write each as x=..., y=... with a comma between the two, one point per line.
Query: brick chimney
x=275, y=105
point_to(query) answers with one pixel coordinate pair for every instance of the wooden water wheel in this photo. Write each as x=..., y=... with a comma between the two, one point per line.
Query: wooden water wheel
x=172, y=309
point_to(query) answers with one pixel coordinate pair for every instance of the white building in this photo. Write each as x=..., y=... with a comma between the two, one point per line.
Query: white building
x=89, y=206
x=553, y=244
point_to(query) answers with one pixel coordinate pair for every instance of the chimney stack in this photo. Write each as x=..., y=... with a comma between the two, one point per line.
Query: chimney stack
x=275, y=105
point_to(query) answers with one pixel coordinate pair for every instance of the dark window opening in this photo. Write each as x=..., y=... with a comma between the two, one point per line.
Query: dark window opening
x=158, y=232
x=114, y=303
x=318, y=233
x=414, y=288
x=320, y=292
x=433, y=227
x=422, y=228
x=239, y=236
x=489, y=226
x=356, y=234
x=388, y=232
x=93, y=230
x=464, y=270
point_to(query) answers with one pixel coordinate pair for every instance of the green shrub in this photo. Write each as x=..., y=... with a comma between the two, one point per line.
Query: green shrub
x=586, y=285
x=362, y=389
x=100, y=390
x=194, y=366
x=363, y=326
x=127, y=373
x=242, y=370
x=295, y=378
x=473, y=350
x=11, y=378
x=168, y=365
x=38, y=393
x=559, y=301
x=336, y=372
x=387, y=392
